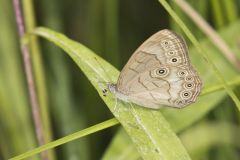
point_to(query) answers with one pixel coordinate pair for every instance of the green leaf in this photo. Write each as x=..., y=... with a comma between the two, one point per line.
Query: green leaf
x=15, y=116
x=178, y=119
x=203, y=52
x=181, y=119
x=66, y=139
x=147, y=128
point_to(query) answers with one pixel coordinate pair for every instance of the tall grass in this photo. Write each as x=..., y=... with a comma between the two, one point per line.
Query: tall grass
x=100, y=35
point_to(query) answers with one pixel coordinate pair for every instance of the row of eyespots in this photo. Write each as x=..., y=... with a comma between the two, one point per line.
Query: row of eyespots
x=188, y=84
x=184, y=74
x=169, y=47
x=164, y=71
x=166, y=44
x=171, y=53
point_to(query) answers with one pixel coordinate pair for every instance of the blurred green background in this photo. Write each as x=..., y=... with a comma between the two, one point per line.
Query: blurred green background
x=113, y=29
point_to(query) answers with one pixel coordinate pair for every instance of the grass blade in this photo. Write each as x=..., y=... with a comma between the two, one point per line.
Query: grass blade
x=202, y=52
x=148, y=129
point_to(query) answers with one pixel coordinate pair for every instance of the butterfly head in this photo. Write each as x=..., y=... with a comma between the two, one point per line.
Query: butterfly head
x=112, y=87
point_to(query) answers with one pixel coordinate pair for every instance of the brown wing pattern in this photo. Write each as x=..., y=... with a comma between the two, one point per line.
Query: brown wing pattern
x=163, y=48
x=159, y=72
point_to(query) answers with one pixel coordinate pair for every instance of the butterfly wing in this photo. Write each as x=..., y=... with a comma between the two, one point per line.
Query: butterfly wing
x=159, y=73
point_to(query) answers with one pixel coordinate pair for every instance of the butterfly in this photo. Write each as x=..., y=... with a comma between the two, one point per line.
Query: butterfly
x=159, y=73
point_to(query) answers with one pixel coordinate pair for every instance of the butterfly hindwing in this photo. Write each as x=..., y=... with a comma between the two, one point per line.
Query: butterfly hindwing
x=159, y=73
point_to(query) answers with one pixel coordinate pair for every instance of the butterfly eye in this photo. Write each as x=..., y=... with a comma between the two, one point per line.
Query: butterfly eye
x=185, y=94
x=162, y=72
x=189, y=86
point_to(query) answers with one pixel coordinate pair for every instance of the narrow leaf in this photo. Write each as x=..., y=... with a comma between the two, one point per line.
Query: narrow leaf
x=147, y=128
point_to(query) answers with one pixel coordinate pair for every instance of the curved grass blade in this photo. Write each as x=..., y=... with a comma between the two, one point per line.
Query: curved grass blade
x=66, y=139
x=204, y=54
x=209, y=136
x=147, y=128
x=211, y=95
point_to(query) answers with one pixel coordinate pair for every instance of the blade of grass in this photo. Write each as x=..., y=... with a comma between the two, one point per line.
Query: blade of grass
x=121, y=143
x=148, y=129
x=219, y=87
x=94, y=25
x=99, y=70
x=39, y=75
x=202, y=52
x=199, y=6
x=121, y=148
x=68, y=138
x=218, y=16
x=32, y=92
x=14, y=106
x=210, y=33
x=66, y=115
x=94, y=129
x=230, y=10
x=111, y=31
x=180, y=120
x=94, y=37
x=208, y=135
